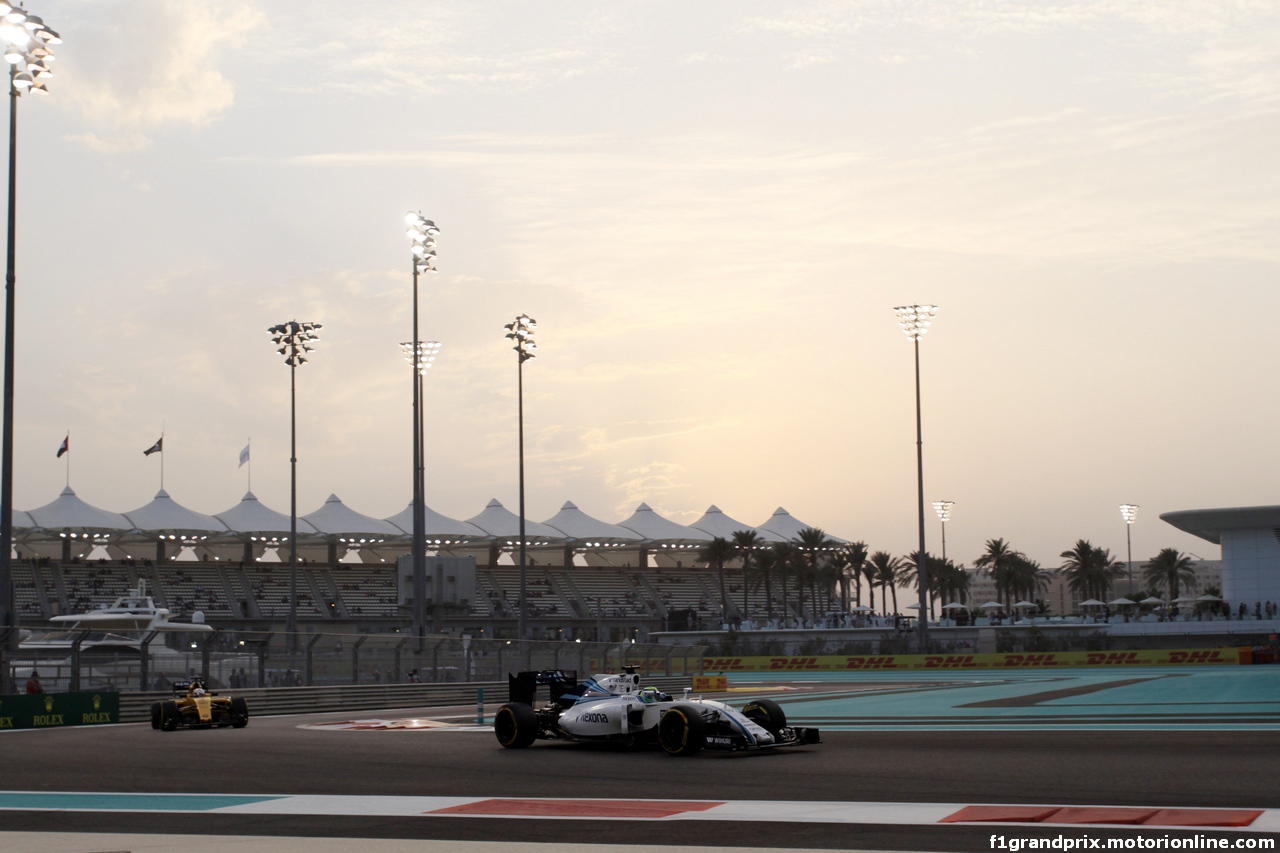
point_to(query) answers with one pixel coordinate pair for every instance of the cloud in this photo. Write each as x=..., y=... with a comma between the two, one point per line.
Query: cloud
x=649, y=483
x=145, y=64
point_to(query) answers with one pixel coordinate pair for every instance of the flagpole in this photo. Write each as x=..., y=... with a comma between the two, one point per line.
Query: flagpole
x=162, y=458
x=249, y=473
x=68, y=455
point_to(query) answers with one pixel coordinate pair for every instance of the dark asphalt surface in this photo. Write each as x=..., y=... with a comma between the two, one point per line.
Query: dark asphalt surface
x=275, y=756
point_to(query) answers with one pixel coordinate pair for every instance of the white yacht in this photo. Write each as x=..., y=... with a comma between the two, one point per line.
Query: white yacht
x=121, y=624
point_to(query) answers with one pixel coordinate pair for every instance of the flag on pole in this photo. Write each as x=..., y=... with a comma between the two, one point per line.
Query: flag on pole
x=244, y=456
x=158, y=447
x=66, y=446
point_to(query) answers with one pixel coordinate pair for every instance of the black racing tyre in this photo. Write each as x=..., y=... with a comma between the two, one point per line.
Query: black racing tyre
x=682, y=731
x=239, y=712
x=516, y=725
x=168, y=716
x=155, y=715
x=766, y=714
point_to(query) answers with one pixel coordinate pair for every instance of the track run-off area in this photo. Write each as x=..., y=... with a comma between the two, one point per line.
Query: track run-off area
x=910, y=761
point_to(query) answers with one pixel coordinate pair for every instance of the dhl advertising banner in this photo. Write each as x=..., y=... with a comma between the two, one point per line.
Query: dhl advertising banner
x=1027, y=660
x=47, y=710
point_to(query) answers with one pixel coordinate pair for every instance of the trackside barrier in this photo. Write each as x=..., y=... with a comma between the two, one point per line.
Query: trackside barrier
x=136, y=707
x=1028, y=660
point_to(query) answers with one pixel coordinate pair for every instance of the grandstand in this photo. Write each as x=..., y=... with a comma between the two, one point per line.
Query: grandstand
x=576, y=601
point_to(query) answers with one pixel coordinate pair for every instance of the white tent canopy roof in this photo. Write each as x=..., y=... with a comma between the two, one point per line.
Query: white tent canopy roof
x=715, y=522
x=501, y=523
x=337, y=519
x=438, y=527
x=68, y=512
x=250, y=516
x=654, y=528
x=786, y=525
x=165, y=515
x=575, y=524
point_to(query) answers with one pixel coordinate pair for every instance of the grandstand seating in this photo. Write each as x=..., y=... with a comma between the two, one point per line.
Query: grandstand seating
x=368, y=591
x=544, y=599
x=188, y=587
x=607, y=592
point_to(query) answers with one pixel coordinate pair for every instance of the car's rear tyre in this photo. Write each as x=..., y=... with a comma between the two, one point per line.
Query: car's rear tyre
x=766, y=714
x=516, y=725
x=168, y=716
x=682, y=731
x=155, y=715
x=239, y=712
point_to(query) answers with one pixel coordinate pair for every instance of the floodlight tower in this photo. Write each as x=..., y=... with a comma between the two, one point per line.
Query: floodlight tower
x=422, y=234
x=28, y=48
x=520, y=330
x=943, y=509
x=294, y=340
x=915, y=321
x=1129, y=512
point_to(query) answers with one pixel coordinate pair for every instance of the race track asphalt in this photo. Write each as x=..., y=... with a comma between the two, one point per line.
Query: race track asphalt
x=275, y=755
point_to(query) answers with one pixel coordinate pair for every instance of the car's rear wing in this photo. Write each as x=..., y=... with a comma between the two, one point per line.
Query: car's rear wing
x=523, y=686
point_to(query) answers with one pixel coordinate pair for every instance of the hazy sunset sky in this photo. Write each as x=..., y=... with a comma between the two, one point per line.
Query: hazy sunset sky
x=711, y=210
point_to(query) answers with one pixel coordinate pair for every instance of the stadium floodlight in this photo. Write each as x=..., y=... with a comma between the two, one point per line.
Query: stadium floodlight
x=1129, y=512
x=27, y=51
x=427, y=352
x=521, y=330
x=943, y=509
x=915, y=321
x=293, y=340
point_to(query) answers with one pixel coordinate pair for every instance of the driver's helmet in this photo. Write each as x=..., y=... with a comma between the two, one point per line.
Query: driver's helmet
x=199, y=691
x=649, y=695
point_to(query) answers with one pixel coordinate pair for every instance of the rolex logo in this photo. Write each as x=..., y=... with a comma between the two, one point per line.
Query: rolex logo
x=97, y=701
x=48, y=703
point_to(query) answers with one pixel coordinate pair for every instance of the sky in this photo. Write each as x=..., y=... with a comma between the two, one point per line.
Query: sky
x=711, y=210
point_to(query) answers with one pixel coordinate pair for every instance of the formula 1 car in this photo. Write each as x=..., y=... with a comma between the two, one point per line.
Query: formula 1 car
x=195, y=707
x=615, y=708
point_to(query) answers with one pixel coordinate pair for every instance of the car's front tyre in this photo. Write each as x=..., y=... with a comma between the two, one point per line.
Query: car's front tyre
x=239, y=712
x=682, y=731
x=155, y=715
x=766, y=714
x=515, y=725
x=168, y=716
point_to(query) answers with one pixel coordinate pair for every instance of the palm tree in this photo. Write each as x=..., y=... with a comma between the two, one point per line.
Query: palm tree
x=1090, y=571
x=766, y=562
x=849, y=563
x=784, y=562
x=716, y=553
x=999, y=560
x=813, y=542
x=1169, y=569
x=949, y=580
x=745, y=543
x=1026, y=579
x=885, y=569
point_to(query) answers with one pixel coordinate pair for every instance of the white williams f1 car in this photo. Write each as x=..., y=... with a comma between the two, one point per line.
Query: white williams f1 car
x=615, y=708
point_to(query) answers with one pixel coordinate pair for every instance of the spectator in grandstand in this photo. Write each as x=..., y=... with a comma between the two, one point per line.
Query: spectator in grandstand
x=33, y=683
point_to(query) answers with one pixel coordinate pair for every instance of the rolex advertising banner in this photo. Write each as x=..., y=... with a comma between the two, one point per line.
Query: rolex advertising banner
x=45, y=710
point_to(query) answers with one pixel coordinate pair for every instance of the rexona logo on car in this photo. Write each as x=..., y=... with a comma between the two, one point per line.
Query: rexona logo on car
x=594, y=718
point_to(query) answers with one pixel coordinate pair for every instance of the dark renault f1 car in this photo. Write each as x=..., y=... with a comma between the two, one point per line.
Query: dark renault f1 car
x=195, y=707
x=616, y=709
